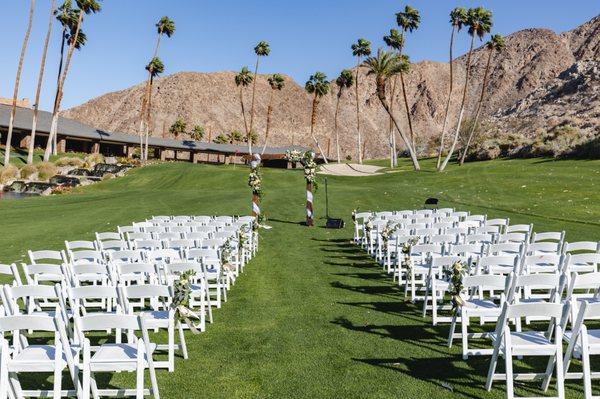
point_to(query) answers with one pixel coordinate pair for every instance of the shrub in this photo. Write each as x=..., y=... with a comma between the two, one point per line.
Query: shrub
x=128, y=161
x=93, y=159
x=69, y=161
x=8, y=173
x=27, y=171
x=46, y=170
x=61, y=190
x=108, y=176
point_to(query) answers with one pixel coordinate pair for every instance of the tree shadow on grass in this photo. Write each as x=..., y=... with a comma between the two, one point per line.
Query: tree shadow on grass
x=363, y=276
x=379, y=290
x=286, y=221
x=442, y=371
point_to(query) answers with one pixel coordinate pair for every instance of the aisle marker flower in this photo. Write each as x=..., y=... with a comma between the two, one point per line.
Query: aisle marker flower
x=181, y=301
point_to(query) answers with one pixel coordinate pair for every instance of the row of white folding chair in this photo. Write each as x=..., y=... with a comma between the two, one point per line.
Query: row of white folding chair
x=67, y=302
x=202, y=218
x=20, y=356
x=581, y=343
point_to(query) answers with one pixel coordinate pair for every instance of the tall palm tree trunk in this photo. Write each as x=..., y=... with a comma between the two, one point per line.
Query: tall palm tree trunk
x=335, y=125
x=60, y=69
x=148, y=120
x=479, y=107
x=13, y=111
x=313, y=121
x=358, y=113
x=447, y=112
x=145, y=113
x=245, y=120
x=393, y=160
x=408, y=117
x=462, y=107
x=61, y=83
x=407, y=143
x=249, y=133
x=40, y=81
x=269, y=112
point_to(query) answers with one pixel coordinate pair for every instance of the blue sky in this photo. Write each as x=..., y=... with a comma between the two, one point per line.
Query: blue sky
x=305, y=36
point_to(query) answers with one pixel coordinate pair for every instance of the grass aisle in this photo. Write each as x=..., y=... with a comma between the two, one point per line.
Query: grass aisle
x=312, y=316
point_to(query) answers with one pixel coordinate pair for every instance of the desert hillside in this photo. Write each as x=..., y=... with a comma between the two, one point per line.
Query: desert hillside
x=541, y=79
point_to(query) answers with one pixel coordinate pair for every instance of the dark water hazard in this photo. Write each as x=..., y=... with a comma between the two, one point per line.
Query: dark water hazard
x=15, y=196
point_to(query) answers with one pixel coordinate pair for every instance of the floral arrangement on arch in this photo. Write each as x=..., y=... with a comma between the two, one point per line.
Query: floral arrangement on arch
x=310, y=168
x=255, y=182
x=293, y=155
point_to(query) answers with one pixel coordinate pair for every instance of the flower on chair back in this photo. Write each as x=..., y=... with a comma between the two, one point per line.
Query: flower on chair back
x=181, y=301
x=455, y=276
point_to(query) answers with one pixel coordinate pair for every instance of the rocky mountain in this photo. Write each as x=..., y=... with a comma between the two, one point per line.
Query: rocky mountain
x=540, y=76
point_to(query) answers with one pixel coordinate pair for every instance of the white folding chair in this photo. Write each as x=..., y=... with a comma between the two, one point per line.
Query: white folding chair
x=132, y=356
x=438, y=285
x=125, y=256
x=510, y=344
x=12, y=271
x=543, y=247
x=21, y=357
x=582, y=344
x=73, y=246
x=420, y=256
x=157, y=315
x=581, y=247
x=200, y=300
x=582, y=262
x=477, y=305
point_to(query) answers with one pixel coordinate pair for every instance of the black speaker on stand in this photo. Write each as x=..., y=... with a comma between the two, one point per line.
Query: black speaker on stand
x=332, y=223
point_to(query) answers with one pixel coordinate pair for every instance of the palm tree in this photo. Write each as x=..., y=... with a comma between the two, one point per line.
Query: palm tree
x=85, y=7
x=384, y=66
x=395, y=40
x=178, y=127
x=408, y=20
x=155, y=67
x=276, y=81
x=197, y=133
x=318, y=86
x=68, y=17
x=362, y=48
x=344, y=81
x=38, y=91
x=479, y=21
x=164, y=26
x=242, y=80
x=13, y=111
x=496, y=43
x=262, y=49
x=458, y=18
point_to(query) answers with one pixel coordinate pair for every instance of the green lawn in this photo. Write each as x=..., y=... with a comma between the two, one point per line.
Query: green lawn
x=313, y=317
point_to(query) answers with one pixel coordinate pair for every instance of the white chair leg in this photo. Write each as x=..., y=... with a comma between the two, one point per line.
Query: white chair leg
x=57, y=371
x=560, y=377
x=171, y=343
x=182, y=341
x=139, y=381
x=452, y=329
x=587, y=375
x=464, y=322
x=85, y=384
x=510, y=392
